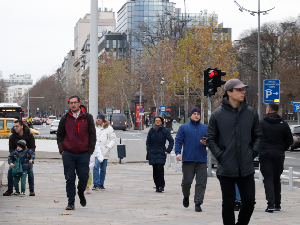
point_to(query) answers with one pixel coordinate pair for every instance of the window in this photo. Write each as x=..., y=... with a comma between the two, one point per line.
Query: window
x=114, y=43
x=9, y=124
x=1, y=125
x=107, y=43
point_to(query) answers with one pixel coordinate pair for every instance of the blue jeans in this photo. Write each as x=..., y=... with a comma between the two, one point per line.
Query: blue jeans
x=75, y=164
x=237, y=194
x=99, y=178
x=10, y=179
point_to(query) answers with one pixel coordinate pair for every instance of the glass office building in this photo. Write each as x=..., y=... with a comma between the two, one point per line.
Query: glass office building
x=134, y=12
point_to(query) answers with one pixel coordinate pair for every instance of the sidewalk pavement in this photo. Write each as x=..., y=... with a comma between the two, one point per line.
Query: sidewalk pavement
x=129, y=198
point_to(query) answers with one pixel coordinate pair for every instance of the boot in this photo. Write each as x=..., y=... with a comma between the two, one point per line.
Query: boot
x=31, y=192
x=8, y=192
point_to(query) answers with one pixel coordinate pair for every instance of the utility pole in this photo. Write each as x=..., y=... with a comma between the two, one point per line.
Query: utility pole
x=258, y=12
x=93, y=82
x=140, y=119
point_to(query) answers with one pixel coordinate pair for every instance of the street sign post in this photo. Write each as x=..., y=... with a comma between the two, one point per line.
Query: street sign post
x=271, y=91
x=297, y=109
x=162, y=109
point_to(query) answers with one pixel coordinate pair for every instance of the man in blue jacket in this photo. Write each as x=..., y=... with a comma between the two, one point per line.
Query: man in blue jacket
x=194, y=158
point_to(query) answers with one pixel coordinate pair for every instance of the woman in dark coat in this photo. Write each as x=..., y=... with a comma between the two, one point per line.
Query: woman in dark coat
x=156, y=151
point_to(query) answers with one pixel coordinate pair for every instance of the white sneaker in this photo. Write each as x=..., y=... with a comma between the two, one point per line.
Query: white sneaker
x=16, y=193
x=22, y=194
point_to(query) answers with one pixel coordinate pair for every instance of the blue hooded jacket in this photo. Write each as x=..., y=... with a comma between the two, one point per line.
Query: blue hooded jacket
x=189, y=135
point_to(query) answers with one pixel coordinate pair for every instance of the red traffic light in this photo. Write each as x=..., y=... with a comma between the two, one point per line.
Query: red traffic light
x=213, y=73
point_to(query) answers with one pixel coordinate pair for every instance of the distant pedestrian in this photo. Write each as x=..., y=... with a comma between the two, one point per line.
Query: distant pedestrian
x=106, y=139
x=20, y=131
x=169, y=122
x=277, y=139
x=147, y=122
x=76, y=138
x=234, y=137
x=156, y=151
x=191, y=136
x=26, y=157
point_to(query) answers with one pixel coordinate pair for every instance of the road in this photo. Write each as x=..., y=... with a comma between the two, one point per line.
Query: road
x=45, y=131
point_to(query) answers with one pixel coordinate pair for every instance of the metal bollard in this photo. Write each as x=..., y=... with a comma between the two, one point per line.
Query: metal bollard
x=290, y=178
x=175, y=164
x=260, y=176
x=180, y=164
x=209, y=170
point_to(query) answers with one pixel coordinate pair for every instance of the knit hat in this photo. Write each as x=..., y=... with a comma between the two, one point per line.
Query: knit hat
x=101, y=116
x=22, y=144
x=196, y=109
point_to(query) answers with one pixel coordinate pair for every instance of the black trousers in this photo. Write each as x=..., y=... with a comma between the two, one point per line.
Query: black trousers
x=246, y=186
x=158, y=175
x=271, y=166
x=75, y=164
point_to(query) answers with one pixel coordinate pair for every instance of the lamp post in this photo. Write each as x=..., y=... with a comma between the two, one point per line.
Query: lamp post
x=258, y=12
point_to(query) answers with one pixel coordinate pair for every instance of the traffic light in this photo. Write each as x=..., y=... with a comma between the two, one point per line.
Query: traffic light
x=50, y=107
x=220, y=82
x=210, y=82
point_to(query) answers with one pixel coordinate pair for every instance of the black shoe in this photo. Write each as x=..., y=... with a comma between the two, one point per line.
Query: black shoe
x=237, y=206
x=186, y=202
x=70, y=207
x=82, y=200
x=277, y=207
x=270, y=209
x=198, y=208
x=160, y=189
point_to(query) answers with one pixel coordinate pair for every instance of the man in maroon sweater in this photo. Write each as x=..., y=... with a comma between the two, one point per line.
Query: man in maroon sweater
x=76, y=139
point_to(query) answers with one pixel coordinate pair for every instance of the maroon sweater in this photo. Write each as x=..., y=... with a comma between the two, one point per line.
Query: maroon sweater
x=76, y=135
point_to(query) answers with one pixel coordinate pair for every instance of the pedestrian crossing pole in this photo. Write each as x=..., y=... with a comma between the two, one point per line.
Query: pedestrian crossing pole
x=209, y=171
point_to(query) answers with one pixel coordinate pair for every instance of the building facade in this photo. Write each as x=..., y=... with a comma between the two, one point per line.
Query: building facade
x=106, y=23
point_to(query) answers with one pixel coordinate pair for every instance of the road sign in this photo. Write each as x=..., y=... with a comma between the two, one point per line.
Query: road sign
x=109, y=111
x=296, y=106
x=116, y=111
x=141, y=113
x=162, y=109
x=271, y=91
x=141, y=109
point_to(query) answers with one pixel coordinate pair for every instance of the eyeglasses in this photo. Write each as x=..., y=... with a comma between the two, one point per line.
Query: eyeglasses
x=72, y=103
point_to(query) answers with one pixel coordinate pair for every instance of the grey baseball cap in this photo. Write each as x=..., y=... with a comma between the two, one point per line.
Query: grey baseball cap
x=234, y=83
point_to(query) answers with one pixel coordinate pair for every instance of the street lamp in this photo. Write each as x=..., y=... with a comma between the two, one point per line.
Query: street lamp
x=258, y=12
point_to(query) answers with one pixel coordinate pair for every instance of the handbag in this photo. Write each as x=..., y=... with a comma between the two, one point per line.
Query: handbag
x=17, y=170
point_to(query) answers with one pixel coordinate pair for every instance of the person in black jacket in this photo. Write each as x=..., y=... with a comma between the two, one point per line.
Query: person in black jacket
x=234, y=138
x=277, y=139
x=156, y=151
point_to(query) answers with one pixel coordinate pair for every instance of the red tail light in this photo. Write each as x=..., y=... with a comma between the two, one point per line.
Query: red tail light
x=294, y=134
x=125, y=123
x=112, y=123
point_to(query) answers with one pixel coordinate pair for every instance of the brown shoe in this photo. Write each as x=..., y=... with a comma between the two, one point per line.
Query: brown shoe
x=31, y=192
x=8, y=192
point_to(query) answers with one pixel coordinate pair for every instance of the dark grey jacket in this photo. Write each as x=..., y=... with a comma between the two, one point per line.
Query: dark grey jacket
x=234, y=138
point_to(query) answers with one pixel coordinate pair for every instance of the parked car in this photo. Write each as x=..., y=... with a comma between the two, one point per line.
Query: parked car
x=51, y=119
x=54, y=126
x=7, y=123
x=119, y=122
x=296, y=136
x=44, y=120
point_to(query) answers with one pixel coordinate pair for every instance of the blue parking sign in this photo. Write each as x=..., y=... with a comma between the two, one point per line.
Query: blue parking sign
x=162, y=109
x=296, y=106
x=271, y=91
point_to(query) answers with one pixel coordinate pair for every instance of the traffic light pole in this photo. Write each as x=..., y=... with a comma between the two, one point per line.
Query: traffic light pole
x=209, y=171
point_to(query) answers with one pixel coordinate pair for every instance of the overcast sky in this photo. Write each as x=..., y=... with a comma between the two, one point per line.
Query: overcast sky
x=36, y=35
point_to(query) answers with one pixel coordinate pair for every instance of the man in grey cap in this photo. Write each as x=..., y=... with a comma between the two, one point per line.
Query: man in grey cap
x=234, y=138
